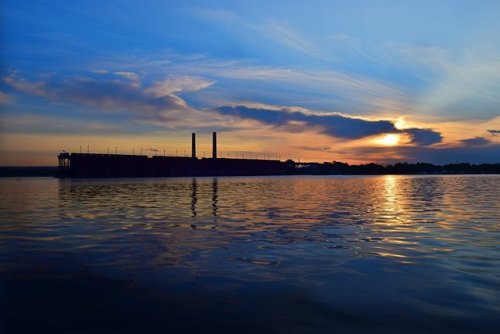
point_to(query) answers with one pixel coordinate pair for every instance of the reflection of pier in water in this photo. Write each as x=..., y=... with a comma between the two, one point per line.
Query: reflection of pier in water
x=194, y=197
x=158, y=216
x=214, y=197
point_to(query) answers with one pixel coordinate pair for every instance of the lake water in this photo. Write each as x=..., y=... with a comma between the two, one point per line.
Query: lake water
x=294, y=254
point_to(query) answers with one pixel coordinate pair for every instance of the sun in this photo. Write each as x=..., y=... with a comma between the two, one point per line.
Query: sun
x=390, y=139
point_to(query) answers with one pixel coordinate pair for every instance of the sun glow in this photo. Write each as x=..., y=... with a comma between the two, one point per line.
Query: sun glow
x=390, y=139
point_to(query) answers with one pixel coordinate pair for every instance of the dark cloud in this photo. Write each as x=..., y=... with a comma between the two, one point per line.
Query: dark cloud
x=312, y=148
x=494, y=132
x=482, y=154
x=117, y=94
x=423, y=137
x=106, y=93
x=476, y=141
x=331, y=124
x=335, y=125
x=120, y=93
x=438, y=155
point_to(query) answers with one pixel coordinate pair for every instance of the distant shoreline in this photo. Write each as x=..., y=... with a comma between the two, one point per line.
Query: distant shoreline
x=336, y=168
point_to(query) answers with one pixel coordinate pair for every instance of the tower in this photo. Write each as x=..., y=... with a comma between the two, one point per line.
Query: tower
x=214, y=145
x=193, y=145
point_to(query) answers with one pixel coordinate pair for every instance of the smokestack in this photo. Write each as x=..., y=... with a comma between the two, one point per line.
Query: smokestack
x=214, y=145
x=193, y=145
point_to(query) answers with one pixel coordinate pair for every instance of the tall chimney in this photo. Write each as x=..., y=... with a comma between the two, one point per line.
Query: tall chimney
x=214, y=145
x=193, y=145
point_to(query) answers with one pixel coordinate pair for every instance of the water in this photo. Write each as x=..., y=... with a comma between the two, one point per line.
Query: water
x=252, y=254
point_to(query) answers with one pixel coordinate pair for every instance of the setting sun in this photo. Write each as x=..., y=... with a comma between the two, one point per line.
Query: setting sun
x=389, y=140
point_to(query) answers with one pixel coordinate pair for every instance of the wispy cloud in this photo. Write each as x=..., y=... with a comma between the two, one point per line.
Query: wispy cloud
x=455, y=84
x=341, y=91
x=279, y=32
x=245, y=80
x=133, y=77
x=282, y=33
x=99, y=71
x=179, y=84
x=34, y=88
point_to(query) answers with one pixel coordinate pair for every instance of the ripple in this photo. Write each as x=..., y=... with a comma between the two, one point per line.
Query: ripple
x=362, y=244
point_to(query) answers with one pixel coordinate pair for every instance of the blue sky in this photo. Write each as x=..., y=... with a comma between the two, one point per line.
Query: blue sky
x=322, y=80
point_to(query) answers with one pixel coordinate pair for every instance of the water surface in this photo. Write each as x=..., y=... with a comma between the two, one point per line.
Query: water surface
x=272, y=254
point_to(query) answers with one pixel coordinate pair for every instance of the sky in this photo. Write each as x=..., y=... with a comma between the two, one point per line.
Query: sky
x=351, y=81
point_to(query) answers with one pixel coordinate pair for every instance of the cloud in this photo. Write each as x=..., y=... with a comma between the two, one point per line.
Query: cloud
x=332, y=124
x=423, y=137
x=424, y=82
x=335, y=125
x=179, y=84
x=350, y=48
x=133, y=77
x=107, y=95
x=476, y=141
x=313, y=88
x=247, y=80
x=314, y=148
x=481, y=154
x=32, y=88
x=100, y=71
x=494, y=132
x=453, y=84
x=285, y=35
x=277, y=31
x=437, y=155
x=110, y=94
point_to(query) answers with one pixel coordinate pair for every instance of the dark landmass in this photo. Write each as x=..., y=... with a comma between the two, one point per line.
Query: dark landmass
x=326, y=168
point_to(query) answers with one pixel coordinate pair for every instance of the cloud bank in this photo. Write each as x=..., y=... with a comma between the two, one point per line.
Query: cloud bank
x=335, y=125
x=476, y=141
x=489, y=153
x=122, y=91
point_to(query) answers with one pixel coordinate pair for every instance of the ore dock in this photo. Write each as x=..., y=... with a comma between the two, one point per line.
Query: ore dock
x=90, y=165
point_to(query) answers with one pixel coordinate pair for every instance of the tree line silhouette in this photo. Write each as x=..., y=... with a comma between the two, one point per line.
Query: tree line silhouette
x=332, y=168
x=326, y=168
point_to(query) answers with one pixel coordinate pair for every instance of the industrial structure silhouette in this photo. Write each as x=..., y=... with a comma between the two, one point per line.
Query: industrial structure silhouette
x=121, y=165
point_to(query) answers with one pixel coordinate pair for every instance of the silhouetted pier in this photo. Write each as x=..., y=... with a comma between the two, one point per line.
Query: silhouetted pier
x=121, y=165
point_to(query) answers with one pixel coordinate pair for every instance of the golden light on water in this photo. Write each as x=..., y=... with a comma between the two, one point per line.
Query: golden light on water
x=390, y=139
